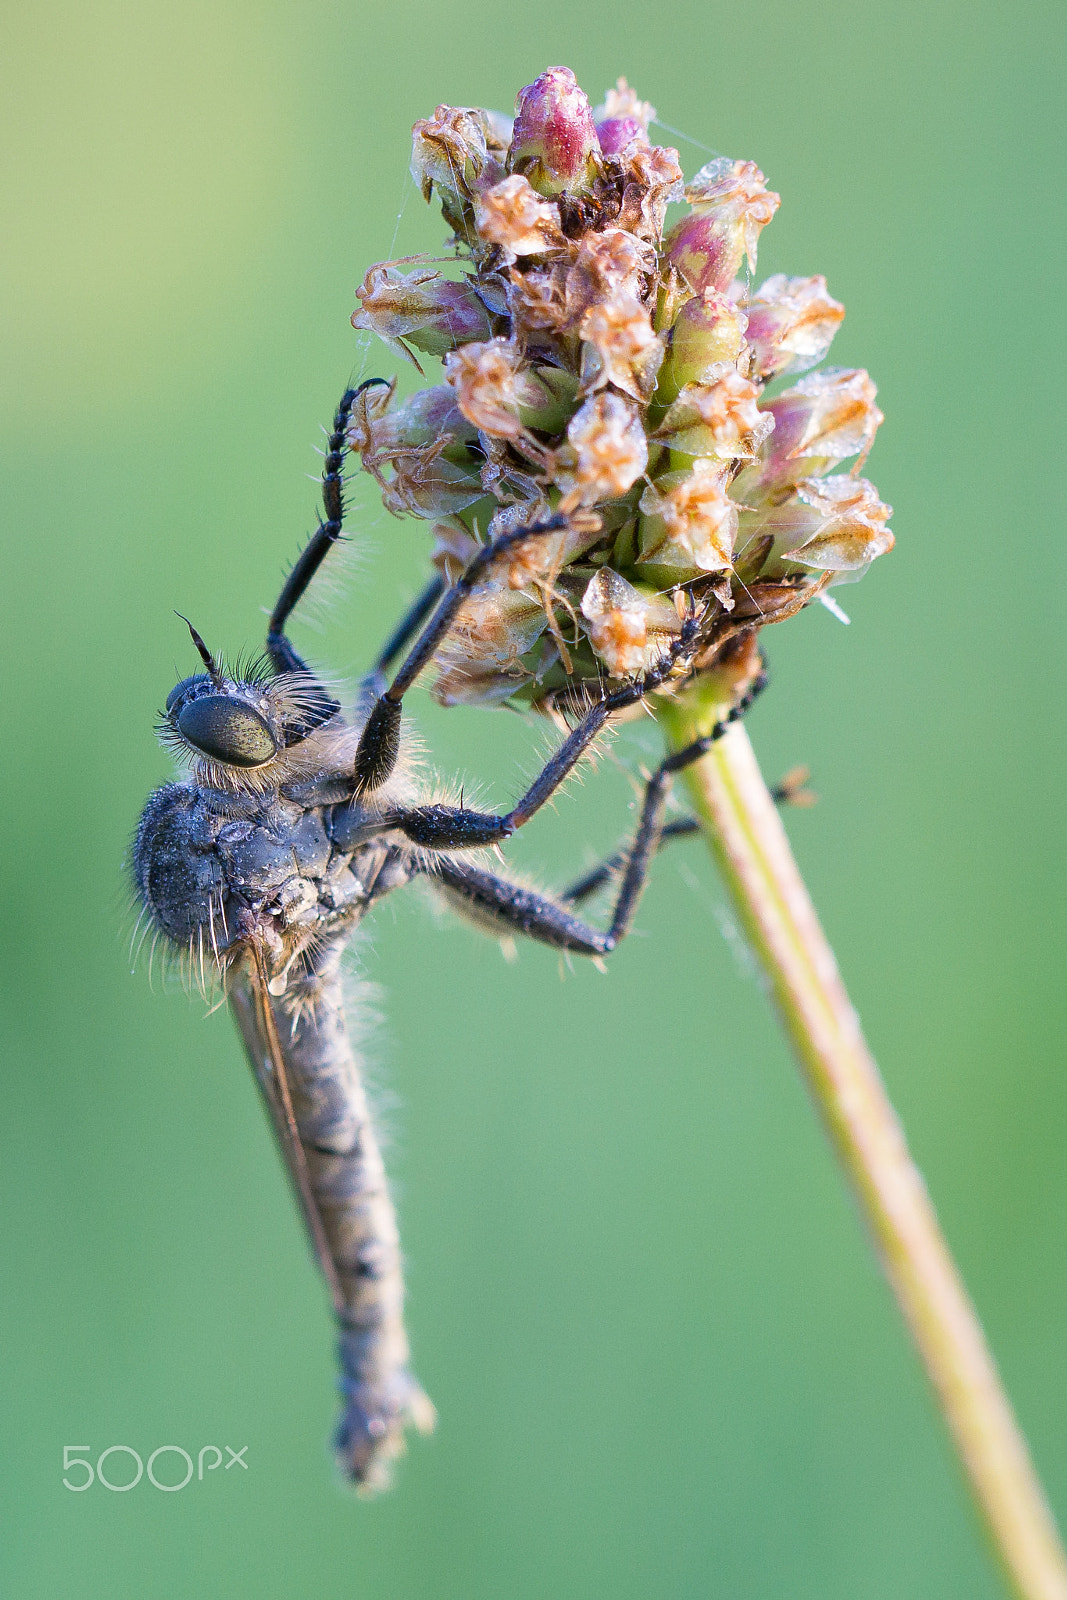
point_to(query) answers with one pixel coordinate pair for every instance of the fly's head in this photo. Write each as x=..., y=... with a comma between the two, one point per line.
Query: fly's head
x=250, y=730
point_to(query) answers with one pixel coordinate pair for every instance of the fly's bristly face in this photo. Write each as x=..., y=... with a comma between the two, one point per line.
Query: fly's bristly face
x=252, y=730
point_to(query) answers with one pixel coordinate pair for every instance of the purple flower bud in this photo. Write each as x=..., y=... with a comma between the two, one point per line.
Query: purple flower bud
x=731, y=204
x=554, y=142
x=616, y=133
x=624, y=116
x=430, y=416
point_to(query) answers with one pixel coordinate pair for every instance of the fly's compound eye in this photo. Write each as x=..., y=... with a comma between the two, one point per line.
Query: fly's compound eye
x=186, y=689
x=227, y=730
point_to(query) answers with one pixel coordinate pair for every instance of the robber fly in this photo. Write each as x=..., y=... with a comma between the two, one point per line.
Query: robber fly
x=293, y=820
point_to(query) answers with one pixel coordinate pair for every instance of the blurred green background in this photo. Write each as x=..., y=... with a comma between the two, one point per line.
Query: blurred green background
x=664, y=1359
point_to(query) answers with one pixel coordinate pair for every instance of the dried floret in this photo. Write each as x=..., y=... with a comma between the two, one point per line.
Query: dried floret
x=512, y=216
x=422, y=308
x=689, y=523
x=628, y=629
x=605, y=454
x=620, y=347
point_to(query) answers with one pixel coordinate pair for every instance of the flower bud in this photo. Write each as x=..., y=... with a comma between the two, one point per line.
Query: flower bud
x=791, y=322
x=513, y=217
x=617, y=134
x=601, y=372
x=826, y=417
x=554, y=140
x=422, y=308
x=718, y=419
x=426, y=484
x=620, y=347
x=430, y=416
x=689, y=524
x=621, y=105
x=707, y=337
x=731, y=204
x=605, y=454
x=628, y=629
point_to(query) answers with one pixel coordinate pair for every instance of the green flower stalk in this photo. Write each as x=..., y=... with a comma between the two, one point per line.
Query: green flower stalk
x=614, y=372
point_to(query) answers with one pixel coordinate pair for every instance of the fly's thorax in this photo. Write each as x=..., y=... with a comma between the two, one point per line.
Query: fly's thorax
x=214, y=870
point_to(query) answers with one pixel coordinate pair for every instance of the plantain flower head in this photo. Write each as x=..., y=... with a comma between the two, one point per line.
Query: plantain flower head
x=607, y=370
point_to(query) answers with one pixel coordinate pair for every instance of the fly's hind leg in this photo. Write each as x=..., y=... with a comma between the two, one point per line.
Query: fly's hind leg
x=519, y=910
x=791, y=791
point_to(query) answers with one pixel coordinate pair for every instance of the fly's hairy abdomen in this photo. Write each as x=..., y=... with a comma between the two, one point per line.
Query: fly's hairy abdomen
x=263, y=891
x=348, y=1185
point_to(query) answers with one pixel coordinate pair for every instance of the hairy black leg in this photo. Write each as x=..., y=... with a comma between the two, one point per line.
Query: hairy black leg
x=515, y=909
x=537, y=916
x=789, y=792
x=682, y=826
x=410, y=623
x=322, y=540
x=439, y=827
x=320, y=706
x=379, y=743
x=678, y=760
x=598, y=876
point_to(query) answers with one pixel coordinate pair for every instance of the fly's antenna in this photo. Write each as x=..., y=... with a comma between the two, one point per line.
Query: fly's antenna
x=205, y=654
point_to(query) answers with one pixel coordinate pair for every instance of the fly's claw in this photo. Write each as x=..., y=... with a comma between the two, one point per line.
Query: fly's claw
x=792, y=790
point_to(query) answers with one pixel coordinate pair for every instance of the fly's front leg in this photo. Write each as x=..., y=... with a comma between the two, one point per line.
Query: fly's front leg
x=651, y=839
x=536, y=916
x=379, y=743
x=318, y=705
x=439, y=827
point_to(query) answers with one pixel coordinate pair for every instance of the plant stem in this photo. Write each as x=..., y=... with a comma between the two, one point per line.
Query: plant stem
x=748, y=840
